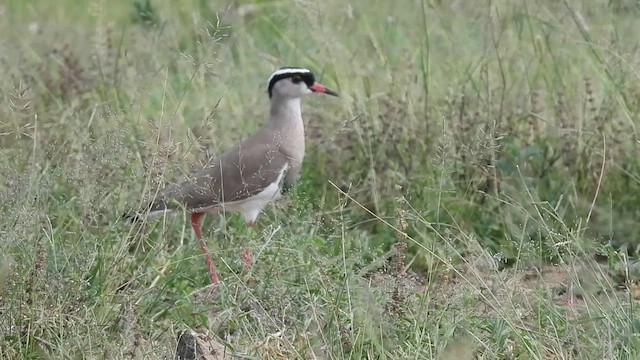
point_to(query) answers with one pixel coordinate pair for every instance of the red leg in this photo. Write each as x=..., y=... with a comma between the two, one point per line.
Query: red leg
x=195, y=223
x=246, y=257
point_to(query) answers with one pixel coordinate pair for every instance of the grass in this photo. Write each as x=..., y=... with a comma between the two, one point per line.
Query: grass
x=471, y=195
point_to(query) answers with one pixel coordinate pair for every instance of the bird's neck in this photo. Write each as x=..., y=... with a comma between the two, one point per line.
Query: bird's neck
x=285, y=110
x=285, y=118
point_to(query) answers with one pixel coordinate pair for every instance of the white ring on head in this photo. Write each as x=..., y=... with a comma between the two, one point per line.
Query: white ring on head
x=287, y=71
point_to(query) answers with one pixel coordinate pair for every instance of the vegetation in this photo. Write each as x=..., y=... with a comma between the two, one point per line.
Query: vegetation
x=473, y=194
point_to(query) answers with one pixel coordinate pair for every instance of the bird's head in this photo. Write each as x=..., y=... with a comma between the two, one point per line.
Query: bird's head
x=292, y=82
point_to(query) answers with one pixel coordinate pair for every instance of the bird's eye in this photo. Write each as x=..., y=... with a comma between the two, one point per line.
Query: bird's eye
x=296, y=79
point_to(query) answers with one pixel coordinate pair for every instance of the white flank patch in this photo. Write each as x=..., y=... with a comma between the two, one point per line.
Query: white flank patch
x=287, y=71
x=251, y=207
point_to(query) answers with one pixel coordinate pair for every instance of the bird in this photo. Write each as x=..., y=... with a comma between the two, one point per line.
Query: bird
x=253, y=173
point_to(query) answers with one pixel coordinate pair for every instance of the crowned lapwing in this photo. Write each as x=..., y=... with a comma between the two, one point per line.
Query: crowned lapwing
x=251, y=174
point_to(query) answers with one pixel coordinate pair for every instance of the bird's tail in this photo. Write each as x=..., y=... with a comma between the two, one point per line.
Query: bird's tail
x=149, y=210
x=134, y=216
x=131, y=218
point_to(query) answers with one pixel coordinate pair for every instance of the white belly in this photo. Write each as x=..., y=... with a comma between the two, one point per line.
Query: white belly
x=252, y=206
